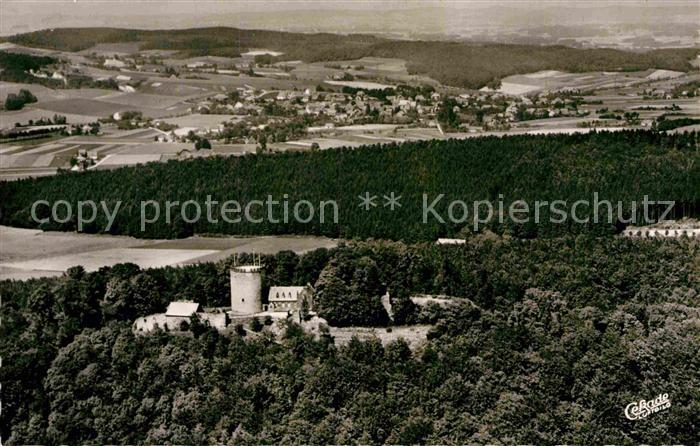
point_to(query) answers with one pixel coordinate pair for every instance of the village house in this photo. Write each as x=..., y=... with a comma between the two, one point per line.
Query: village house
x=114, y=63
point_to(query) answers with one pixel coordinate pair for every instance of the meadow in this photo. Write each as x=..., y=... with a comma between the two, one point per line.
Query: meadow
x=29, y=253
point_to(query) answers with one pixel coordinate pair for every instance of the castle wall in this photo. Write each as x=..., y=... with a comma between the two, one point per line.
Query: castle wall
x=216, y=320
x=149, y=323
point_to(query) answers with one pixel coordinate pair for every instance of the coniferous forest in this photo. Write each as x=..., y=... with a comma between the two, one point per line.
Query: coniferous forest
x=553, y=328
x=617, y=167
x=552, y=340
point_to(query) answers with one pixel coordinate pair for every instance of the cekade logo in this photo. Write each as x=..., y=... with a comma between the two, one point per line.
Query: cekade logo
x=642, y=409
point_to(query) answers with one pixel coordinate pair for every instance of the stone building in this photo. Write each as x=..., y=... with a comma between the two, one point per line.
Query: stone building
x=288, y=298
x=246, y=289
x=178, y=314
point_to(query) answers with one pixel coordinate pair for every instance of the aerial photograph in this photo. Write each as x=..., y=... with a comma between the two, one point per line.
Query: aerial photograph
x=366, y=222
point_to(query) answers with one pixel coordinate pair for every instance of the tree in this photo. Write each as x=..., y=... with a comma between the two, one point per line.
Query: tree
x=196, y=326
x=446, y=114
x=131, y=298
x=26, y=96
x=577, y=329
x=348, y=292
x=202, y=143
x=262, y=141
x=263, y=59
x=13, y=102
x=234, y=96
x=255, y=325
x=402, y=307
x=632, y=118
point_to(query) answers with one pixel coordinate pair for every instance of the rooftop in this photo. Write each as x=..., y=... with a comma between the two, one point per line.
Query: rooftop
x=284, y=293
x=182, y=309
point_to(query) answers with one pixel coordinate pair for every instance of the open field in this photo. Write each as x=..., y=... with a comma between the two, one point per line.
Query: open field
x=150, y=105
x=51, y=101
x=204, y=122
x=114, y=161
x=30, y=113
x=44, y=156
x=112, y=49
x=47, y=94
x=382, y=135
x=261, y=52
x=140, y=100
x=522, y=84
x=648, y=109
x=92, y=261
x=87, y=105
x=360, y=84
x=385, y=68
x=29, y=253
x=173, y=89
x=82, y=106
x=117, y=148
x=219, y=61
x=665, y=74
x=214, y=82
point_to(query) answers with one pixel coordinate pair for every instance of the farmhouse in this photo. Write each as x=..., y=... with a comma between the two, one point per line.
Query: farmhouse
x=114, y=63
x=198, y=64
x=184, y=131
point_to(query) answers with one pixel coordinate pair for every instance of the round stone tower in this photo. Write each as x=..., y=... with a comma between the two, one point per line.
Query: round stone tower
x=246, y=289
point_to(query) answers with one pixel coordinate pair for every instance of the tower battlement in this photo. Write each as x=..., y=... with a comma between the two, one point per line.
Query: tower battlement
x=247, y=268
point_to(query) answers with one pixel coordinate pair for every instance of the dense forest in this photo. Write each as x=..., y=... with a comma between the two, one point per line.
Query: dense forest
x=670, y=124
x=618, y=166
x=553, y=340
x=15, y=67
x=458, y=64
x=23, y=62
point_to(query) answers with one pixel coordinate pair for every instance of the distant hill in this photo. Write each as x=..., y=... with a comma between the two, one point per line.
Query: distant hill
x=452, y=63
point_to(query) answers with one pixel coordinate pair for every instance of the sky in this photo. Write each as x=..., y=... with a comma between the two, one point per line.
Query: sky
x=18, y=16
